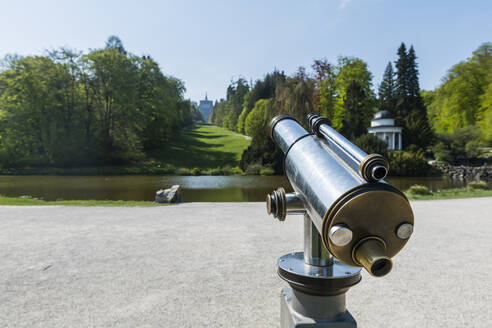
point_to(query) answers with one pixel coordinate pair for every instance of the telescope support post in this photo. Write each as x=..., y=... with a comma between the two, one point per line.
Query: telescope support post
x=315, y=253
x=299, y=309
x=316, y=306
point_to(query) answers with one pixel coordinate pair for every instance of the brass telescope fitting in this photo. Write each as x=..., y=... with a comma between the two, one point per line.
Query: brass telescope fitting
x=371, y=254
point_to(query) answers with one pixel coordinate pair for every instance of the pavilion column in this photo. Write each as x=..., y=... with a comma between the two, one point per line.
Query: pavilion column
x=399, y=142
x=393, y=140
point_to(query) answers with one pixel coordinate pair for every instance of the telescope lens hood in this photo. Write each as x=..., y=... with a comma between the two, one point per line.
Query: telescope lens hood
x=277, y=119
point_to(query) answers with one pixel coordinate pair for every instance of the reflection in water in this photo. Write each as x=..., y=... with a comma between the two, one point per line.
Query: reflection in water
x=194, y=189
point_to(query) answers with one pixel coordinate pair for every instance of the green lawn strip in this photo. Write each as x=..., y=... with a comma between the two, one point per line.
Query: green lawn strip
x=36, y=202
x=452, y=194
x=205, y=146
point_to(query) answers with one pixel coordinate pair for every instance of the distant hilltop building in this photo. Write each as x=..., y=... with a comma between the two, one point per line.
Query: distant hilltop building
x=383, y=127
x=206, y=107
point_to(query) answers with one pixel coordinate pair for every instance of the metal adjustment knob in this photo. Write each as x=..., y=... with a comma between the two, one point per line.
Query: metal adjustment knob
x=276, y=204
x=404, y=230
x=340, y=235
x=280, y=203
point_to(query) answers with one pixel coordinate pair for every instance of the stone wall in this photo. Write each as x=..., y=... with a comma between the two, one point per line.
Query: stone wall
x=465, y=172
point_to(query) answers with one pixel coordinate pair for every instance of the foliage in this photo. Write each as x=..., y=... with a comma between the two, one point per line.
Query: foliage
x=353, y=122
x=267, y=171
x=460, y=145
x=253, y=169
x=349, y=70
x=407, y=163
x=419, y=190
x=325, y=97
x=263, y=89
x=256, y=119
x=226, y=113
x=196, y=171
x=387, y=90
x=477, y=185
x=464, y=99
x=372, y=144
x=184, y=171
x=71, y=109
x=410, y=111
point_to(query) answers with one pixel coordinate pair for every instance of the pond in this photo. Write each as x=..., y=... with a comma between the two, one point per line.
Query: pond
x=194, y=188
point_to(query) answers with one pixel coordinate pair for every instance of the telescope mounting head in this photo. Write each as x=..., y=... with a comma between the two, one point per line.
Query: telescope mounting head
x=361, y=220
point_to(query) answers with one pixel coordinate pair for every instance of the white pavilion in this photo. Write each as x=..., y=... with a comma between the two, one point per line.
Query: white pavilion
x=383, y=126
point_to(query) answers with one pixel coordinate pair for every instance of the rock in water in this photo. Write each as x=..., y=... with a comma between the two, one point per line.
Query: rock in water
x=171, y=195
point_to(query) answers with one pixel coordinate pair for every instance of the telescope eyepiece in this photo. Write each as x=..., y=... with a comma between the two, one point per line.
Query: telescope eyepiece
x=381, y=267
x=378, y=172
x=374, y=167
x=371, y=254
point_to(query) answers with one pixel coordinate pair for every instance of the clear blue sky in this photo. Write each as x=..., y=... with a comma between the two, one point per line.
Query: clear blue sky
x=206, y=43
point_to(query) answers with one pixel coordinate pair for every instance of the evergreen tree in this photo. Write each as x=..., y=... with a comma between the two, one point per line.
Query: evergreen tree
x=411, y=113
x=412, y=75
x=401, y=93
x=115, y=42
x=387, y=90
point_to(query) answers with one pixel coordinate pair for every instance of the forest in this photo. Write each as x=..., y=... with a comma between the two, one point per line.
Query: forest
x=105, y=107
x=452, y=123
x=108, y=107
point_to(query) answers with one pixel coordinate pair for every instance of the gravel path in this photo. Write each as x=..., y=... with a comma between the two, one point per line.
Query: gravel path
x=213, y=265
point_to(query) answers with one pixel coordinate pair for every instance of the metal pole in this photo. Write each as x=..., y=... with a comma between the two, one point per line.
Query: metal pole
x=315, y=252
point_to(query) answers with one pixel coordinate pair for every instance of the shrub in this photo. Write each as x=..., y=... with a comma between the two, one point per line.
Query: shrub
x=472, y=148
x=267, y=171
x=183, y=171
x=226, y=170
x=371, y=144
x=253, y=169
x=168, y=169
x=196, y=171
x=405, y=163
x=442, y=152
x=237, y=171
x=460, y=145
x=419, y=190
x=477, y=185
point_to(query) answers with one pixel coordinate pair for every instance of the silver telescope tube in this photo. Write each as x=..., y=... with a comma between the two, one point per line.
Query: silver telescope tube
x=338, y=200
x=372, y=167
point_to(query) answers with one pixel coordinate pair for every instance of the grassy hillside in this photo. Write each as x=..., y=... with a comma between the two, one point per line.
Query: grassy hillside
x=205, y=146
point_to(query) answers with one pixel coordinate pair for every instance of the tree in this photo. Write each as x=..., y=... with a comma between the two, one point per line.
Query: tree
x=325, y=94
x=350, y=69
x=256, y=121
x=115, y=42
x=402, y=108
x=233, y=105
x=410, y=110
x=464, y=99
x=262, y=89
x=387, y=90
x=353, y=122
x=70, y=109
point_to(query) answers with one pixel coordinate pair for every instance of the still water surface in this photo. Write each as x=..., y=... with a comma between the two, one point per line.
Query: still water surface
x=194, y=188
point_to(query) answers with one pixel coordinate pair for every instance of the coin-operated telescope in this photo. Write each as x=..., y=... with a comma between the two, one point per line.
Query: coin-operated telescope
x=352, y=219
